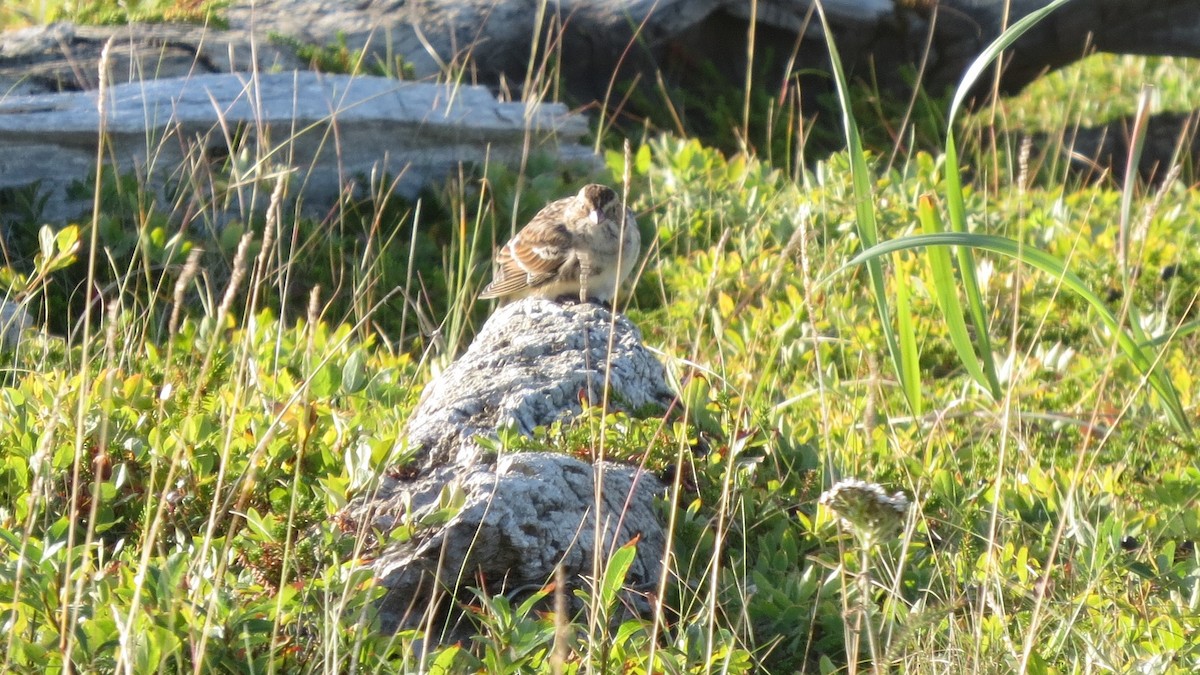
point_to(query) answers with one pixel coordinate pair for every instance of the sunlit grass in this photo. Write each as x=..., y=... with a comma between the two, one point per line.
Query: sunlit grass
x=170, y=477
x=1101, y=88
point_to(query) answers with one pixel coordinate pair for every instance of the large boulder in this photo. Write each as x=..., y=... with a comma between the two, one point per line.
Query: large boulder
x=514, y=518
x=330, y=134
x=623, y=58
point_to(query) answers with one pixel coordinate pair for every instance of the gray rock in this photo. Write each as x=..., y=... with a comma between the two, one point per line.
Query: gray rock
x=529, y=366
x=517, y=516
x=329, y=133
x=884, y=39
x=492, y=39
x=592, y=51
x=518, y=520
x=65, y=57
x=14, y=321
x=596, y=43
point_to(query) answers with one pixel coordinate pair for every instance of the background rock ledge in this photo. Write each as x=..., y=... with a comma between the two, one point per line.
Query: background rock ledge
x=332, y=133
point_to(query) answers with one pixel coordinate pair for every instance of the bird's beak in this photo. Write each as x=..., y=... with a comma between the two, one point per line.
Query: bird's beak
x=595, y=216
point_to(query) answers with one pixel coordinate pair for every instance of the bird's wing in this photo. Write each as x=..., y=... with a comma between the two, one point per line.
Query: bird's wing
x=534, y=256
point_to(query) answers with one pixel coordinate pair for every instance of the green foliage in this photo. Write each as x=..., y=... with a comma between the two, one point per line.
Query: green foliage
x=900, y=340
x=22, y=204
x=109, y=12
x=235, y=439
x=338, y=57
x=1096, y=90
x=742, y=249
x=168, y=482
x=156, y=455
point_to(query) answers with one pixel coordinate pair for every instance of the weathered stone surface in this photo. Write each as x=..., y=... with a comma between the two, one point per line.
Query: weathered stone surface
x=594, y=43
x=522, y=514
x=520, y=519
x=681, y=50
x=66, y=57
x=327, y=131
x=529, y=366
x=672, y=36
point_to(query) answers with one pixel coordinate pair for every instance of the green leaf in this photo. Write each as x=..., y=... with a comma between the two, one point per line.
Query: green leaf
x=955, y=202
x=67, y=240
x=260, y=526
x=354, y=373
x=325, y=381
x=13, y=280
x=614, y=574
x=696, y=396
x=864, y=208
x=910, y=356
x=987, y=56
x=443, y=662
x=942, y=270
x=151, y=646
x=529, y=603
x=641, y=160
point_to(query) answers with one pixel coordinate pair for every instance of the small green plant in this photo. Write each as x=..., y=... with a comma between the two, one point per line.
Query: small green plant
x=21, y=206
x=339, y=57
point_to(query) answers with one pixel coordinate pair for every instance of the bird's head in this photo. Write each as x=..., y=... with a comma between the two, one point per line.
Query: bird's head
x=598, y=203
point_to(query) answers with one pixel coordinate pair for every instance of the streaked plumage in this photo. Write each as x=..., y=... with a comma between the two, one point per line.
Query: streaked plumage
x=576, y=246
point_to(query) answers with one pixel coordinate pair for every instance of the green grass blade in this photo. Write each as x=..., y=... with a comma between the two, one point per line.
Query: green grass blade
x=954, y=190
x=966, y=269
x=615, y=573
x=942, y=269
x=864, y=208
x=987, y=56
x=1047, y=263
x=1141, y=123
x=910, y=357
x=1125, y=224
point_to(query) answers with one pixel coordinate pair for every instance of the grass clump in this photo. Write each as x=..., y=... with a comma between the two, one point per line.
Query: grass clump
x=215, y=446
x=808, y=358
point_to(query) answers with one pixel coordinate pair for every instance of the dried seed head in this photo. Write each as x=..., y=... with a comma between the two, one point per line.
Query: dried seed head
x=865, y=507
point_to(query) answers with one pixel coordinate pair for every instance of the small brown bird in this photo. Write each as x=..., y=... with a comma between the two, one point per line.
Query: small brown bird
x=583, y=245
